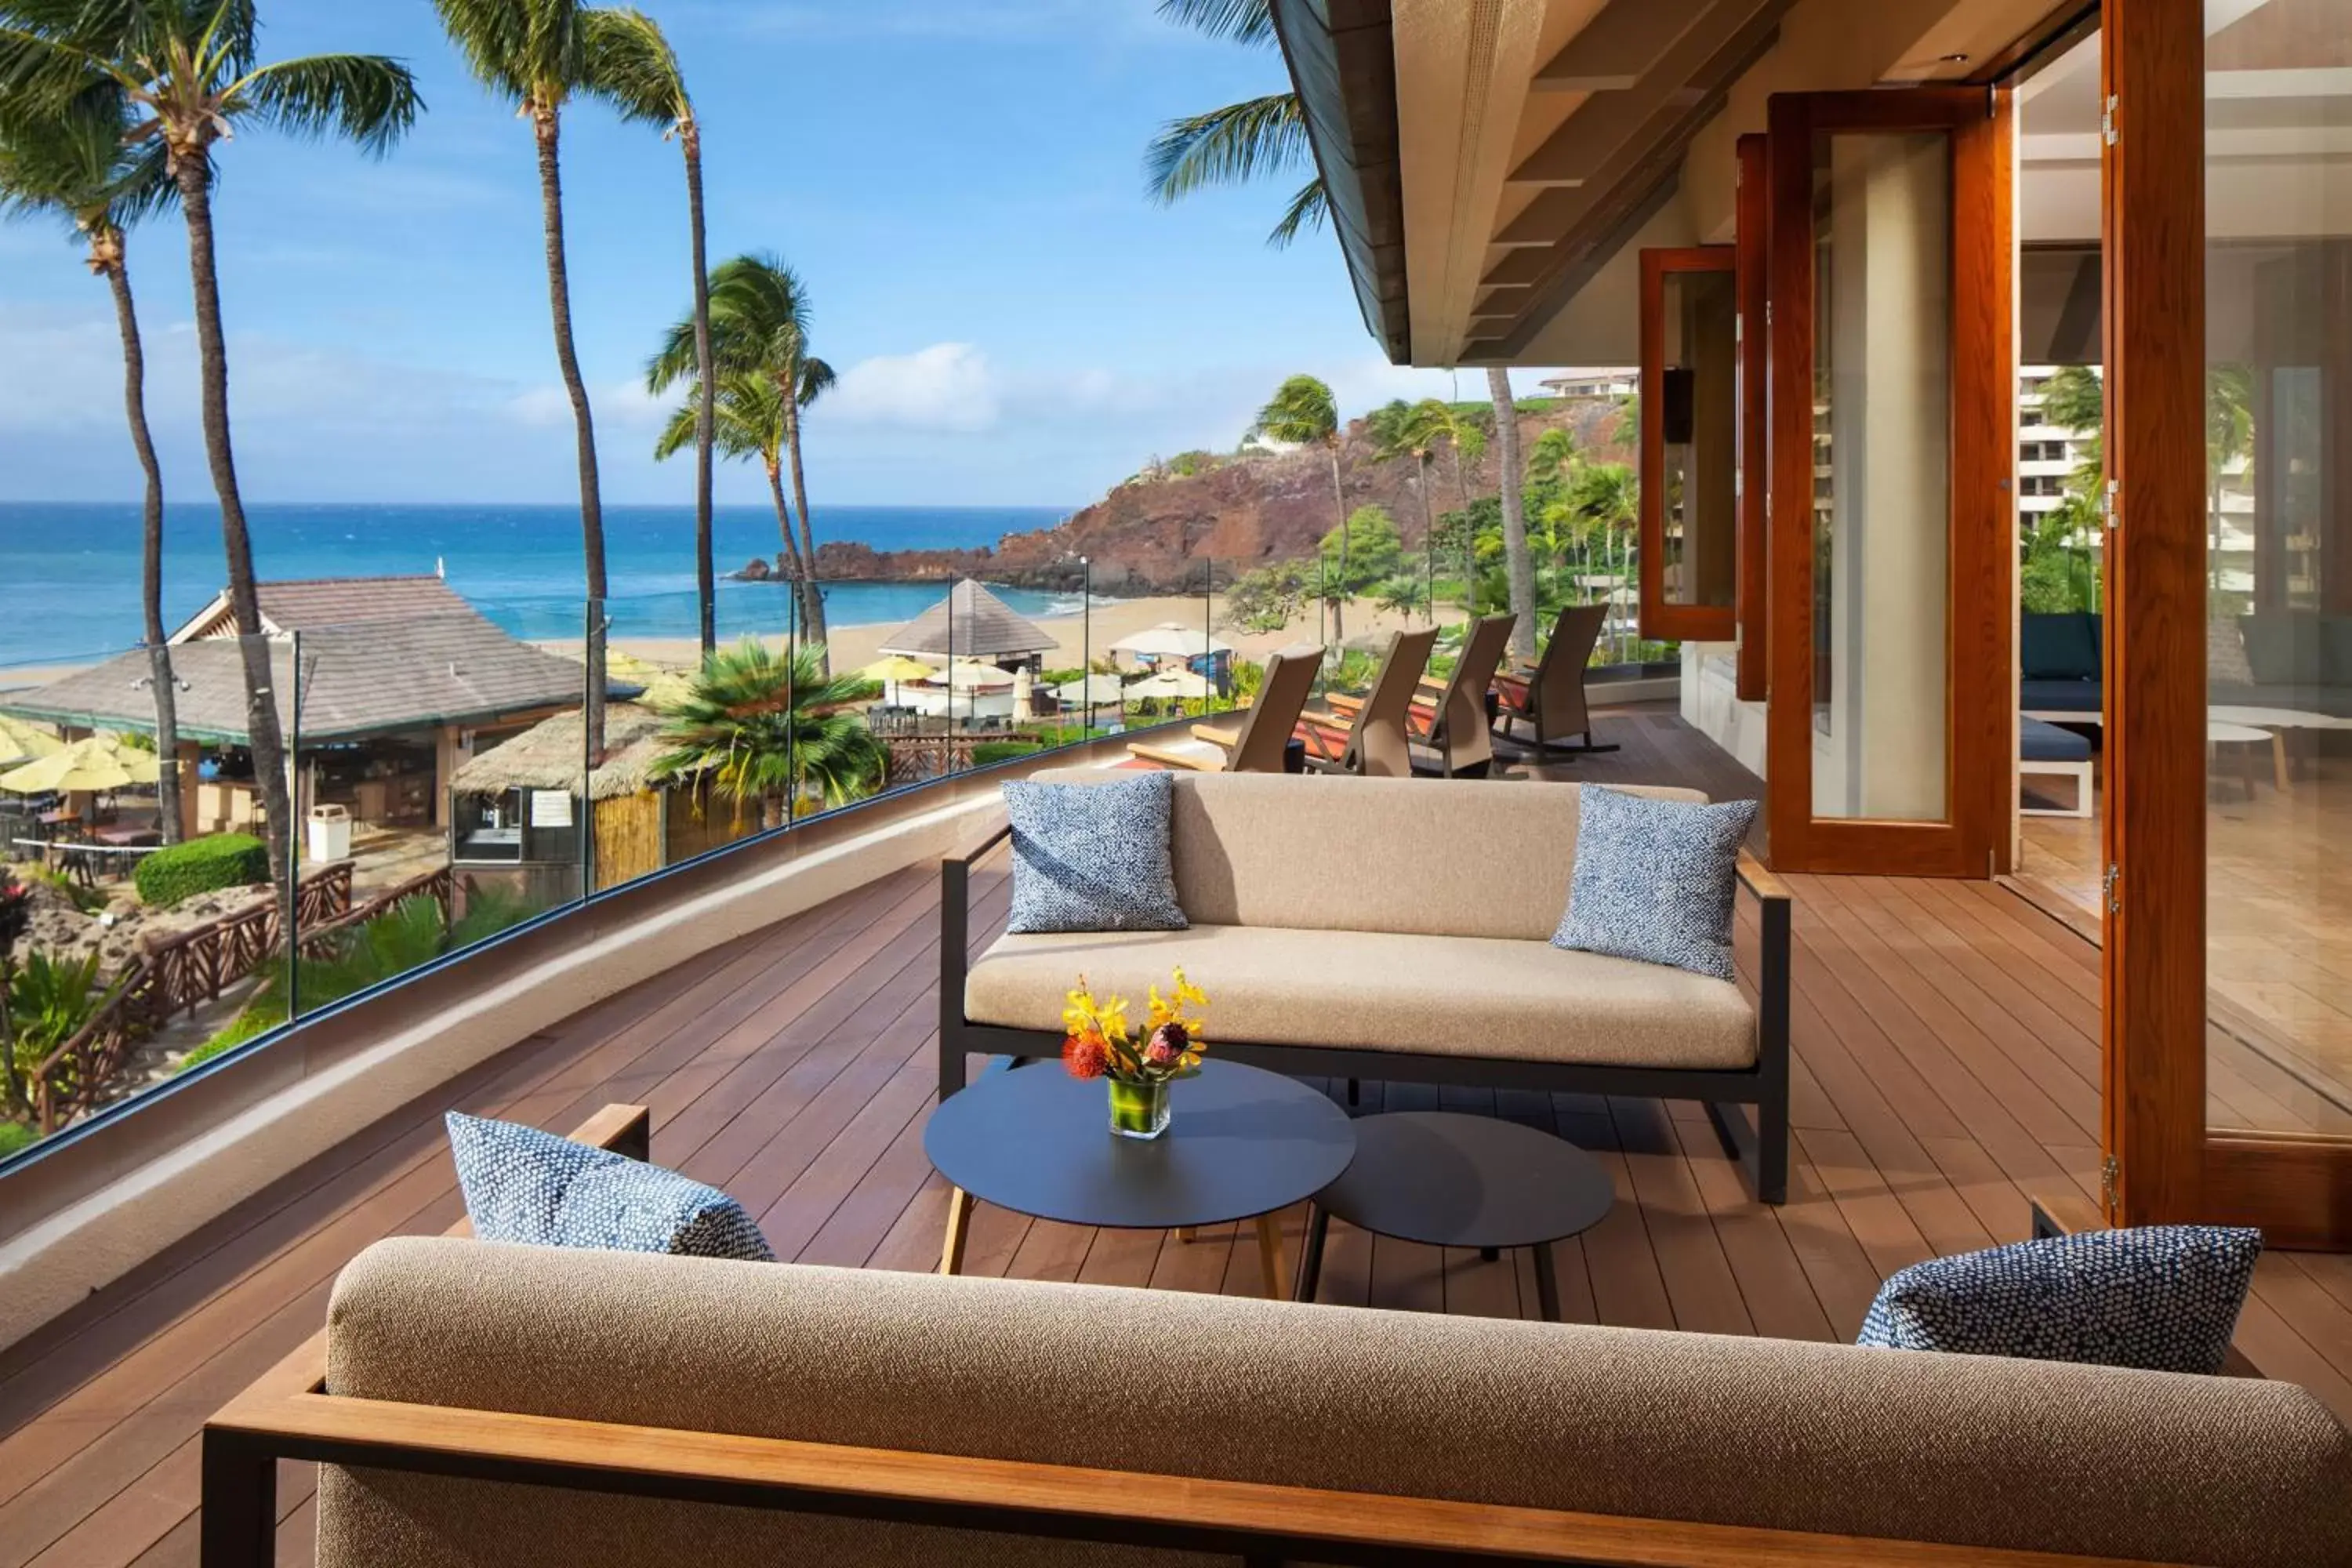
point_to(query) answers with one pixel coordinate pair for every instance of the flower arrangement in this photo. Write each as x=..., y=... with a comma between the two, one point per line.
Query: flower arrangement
x=1099, y=1043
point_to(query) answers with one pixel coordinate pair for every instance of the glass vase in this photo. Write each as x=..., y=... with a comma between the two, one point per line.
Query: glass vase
x=1139, y=1109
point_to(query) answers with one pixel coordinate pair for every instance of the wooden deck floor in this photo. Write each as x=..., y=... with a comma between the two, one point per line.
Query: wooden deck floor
x=1945, y=1061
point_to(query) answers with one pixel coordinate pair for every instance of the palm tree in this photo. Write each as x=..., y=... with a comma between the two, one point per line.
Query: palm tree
x=646, y=83
x=76, y=167
x=1234, y=144
x=773, y=728
x=189, y=71
x=1302, y=414
x=1402, y=429
x=749, y=423
x=539, y=55
x=1517, y=564
x=760, y=326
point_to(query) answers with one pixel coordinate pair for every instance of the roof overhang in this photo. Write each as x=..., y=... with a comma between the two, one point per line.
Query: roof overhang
x=1494, y=163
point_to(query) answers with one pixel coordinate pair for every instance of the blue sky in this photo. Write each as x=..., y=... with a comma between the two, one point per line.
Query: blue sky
x=957, y=181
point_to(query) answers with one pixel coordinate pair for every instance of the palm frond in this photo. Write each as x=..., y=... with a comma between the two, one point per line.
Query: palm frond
x=1226, y=146
x=816, y=380
x=368, y=100
x=75, y=163
x=1243, y=21
x=1301, y=411
x=627, y=63
x=1308, y=209
x=748, y=420
x=519, y=48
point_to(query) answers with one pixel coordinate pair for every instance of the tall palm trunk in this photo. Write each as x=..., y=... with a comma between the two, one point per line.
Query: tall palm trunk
x=1338, y=596
x=1517, y=563
x=792, y=555
x=706, y=414
x=107, y=258
x=192, y=169
x=545, y=124
x=812, y=591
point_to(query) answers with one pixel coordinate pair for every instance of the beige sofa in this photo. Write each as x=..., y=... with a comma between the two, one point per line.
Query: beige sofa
x=513, y=1407
x=1400, y=929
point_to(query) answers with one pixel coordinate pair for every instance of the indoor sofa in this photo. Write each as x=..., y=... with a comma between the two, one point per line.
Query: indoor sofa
x=1396, y=929
x=476, y=1405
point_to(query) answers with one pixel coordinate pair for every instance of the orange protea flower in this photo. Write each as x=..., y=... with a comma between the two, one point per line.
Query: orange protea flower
x=1086, y=1056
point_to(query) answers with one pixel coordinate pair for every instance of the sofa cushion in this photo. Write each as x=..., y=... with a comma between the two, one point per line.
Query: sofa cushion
x=2063, y=646
x=2059, y=697
x=1456, y=997
x=2283, y=648
x=524, y=1185
x=1415, y=856
x=1093, y=859
x=2161, y=1297
x=1655, y=880
x=1973, y=1450
x=2043, y=742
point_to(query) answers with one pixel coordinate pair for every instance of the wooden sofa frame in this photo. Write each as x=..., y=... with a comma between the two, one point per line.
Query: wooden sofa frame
x=1764, y=1086
x=288, y=1415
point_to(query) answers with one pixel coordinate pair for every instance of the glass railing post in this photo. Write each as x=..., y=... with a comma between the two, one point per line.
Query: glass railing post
x=592, y=715
x=792, y=665
x=292, y=831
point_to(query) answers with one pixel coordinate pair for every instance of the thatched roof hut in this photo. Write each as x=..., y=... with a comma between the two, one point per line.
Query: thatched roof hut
x=550, y=755
x=972, y=623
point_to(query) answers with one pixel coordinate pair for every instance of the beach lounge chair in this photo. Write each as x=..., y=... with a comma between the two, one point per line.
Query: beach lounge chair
x=1449, y=714
x=1548, y=696
x=1256, y=744
x=1371, y=740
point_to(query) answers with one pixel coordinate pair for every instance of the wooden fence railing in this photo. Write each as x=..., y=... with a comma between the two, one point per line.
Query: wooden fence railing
x=182, y=973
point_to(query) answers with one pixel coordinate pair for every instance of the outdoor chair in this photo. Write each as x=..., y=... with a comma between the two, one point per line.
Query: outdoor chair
x=1548, y=696
x=1453, y=721
x=1257, y=743
x=1372, y=741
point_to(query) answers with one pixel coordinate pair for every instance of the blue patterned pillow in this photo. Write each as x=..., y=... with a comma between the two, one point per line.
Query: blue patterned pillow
x=2164, y=1298
x=522, y=1184
x=1655, y=880
x=1093, y=857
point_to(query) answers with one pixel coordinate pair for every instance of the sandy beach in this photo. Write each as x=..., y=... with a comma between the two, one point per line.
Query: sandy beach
x=854, y=646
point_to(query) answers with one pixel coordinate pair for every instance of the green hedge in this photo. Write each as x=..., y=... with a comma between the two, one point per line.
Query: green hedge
x=202, y=866
x=989, y=752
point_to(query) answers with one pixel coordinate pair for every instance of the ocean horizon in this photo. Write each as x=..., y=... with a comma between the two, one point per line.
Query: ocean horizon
x=70, y=571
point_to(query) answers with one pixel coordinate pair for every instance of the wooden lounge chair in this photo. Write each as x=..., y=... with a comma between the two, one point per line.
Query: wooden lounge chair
x=1255, y=745
x=1548, y=696
x=1449, y=715
x=1371, y=740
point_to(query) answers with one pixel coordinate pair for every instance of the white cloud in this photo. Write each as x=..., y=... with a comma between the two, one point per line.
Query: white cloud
x=947, y=387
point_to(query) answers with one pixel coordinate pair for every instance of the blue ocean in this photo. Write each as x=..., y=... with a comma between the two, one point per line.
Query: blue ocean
x=69, y=573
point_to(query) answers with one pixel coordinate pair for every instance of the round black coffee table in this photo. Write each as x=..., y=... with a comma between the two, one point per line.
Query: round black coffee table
x=1450, y=1180
x=1241, y=1145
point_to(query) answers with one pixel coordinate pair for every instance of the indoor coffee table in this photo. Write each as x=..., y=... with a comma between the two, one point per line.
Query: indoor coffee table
x=1450, y=1180
x=1241, y=1145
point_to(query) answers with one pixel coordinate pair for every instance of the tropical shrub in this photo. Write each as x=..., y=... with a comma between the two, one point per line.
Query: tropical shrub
x=407, y=936
x=989, y=752
x=201, y=866
x=50, y=997
x=15, y=1135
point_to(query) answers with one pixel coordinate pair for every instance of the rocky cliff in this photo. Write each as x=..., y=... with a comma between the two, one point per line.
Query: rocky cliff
x=1156, y=532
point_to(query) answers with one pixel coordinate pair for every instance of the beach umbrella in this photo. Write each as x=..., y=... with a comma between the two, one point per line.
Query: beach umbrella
x=1172, y=639
x=22, y=743
x=85, y=767
x=1170, y=683
x=1025, y=692
x=972, y=675
x=1094, y=689
x=895, y=670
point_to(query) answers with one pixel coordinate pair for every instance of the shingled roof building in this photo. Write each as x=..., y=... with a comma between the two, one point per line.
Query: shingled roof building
x=970, y=623
x=384, y=685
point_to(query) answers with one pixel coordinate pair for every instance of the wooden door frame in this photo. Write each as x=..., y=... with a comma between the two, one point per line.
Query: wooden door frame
x=1980, y=681
x=1754, y=204
x=1659, y=619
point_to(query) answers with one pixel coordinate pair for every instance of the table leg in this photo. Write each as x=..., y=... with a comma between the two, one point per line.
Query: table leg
x=958, y=1231
x=1184, y=1232
x=1269, y=1259
x=1547, y=1284
x=2279, y=768
x=1310, y=1253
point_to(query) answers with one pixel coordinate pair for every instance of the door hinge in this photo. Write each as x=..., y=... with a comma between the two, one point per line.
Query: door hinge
x=2109, y=132
x=2111, y=1177
x=2112, y=886
x=2111, y=506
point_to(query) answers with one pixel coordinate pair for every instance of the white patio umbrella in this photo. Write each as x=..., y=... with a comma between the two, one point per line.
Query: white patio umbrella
x=1094, y=689
x=1172, y=639
x=1168, y=683
x=1024, y=690
x=22, y=743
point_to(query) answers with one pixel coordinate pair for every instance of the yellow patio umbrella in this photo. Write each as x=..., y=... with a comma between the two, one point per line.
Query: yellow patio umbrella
x=85, y=767
x=890, y=671
x=22, y=743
